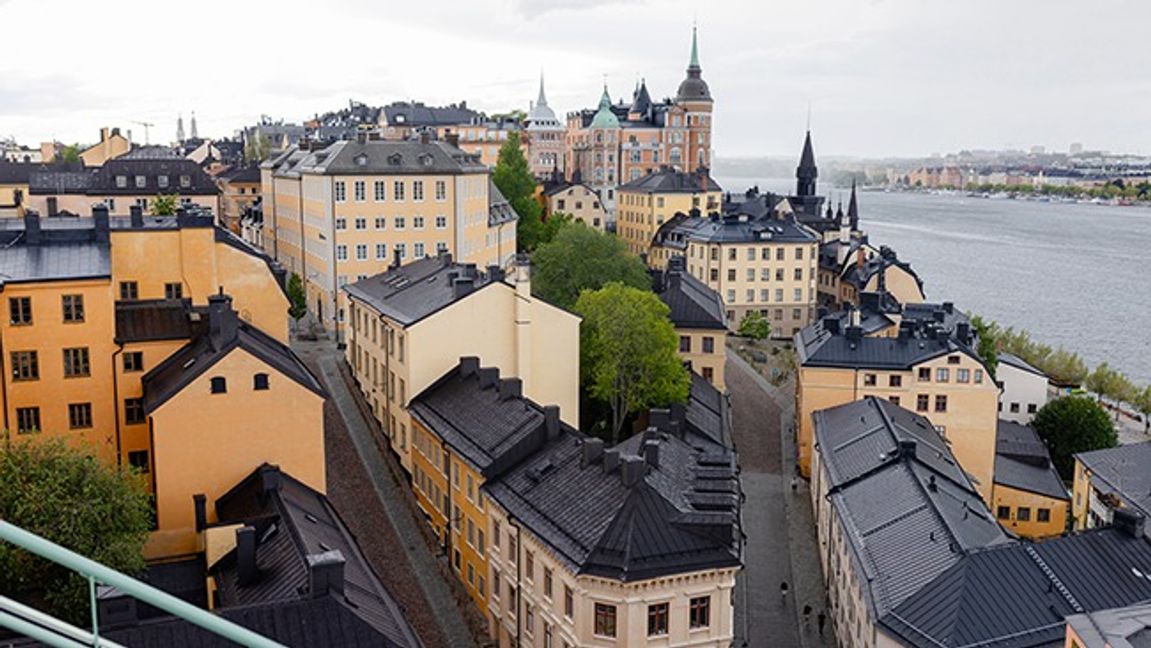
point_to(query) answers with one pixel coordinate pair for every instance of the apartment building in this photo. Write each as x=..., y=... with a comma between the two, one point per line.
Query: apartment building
x=239, y=191
x=574, y=198
x=697, y=314
x=1025, y=388
x=646, y=203
x=1111, y=485
x=349, y=211
x=121, y=183
x=410, y=325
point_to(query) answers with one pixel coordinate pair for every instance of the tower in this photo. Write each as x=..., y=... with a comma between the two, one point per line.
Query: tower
x=806, y=172
x=545, y=135
x=853, y=210
x=694, y=98
x=180, y=128
x=195, y=135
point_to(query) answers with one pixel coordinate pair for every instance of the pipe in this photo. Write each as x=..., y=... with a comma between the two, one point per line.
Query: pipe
x=59, y=628
x=39, y=633
x=116, y=405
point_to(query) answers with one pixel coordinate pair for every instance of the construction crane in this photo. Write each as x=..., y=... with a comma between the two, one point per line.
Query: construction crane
x=146, y=126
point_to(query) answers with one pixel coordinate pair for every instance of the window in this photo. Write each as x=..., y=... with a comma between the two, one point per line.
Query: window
x=751, y=274
x=79, y=415
x=779, y=252
x=76, y=363
x=529, y=565
x=481, y=543
x=962, y=375
x=924, y=374
x=418, y=222
x=173, y=291
x=604, y=620
x=685, y=344
x=401, y=249
x=361, y=224
x=138, y=459
x=20, y=310
x=496, y=534
x=341, y=224
x=1043, y=515
x=750, y=295
x=398, y=190
x=133, y=361
x=799, y=274
x=941, y=403
x=1014, y=408
x=529, y=619
x=894, y=400
x=942, y=374
x=731, y=274
x=134, y=410
x=731, y=296
x=548, y=582
x=547, y=635
x=185, y=181
x=400, y=224
x=700, y=612
x=495, y=584
x=129, y=291
x=381, y=223
x=27, y=420
x=441, y=247
x=341, y=252
x=418, y=190
x=709, y=374
x=361, y=252
x=921, y=402
x=73, y=306
x=779, y=297
x=260, y=381
x=1003, y=512
x=869, y=379
x=219, y=385
x=341, y=191
x=418, y=250
x=1023, y=514
x=358, y=191
x=657, y=619
x=953, y=359
x=441, y=190
x=441, y=222
x=381, y=251
x=141, y=182
x=714, y=274
x=895, y=381
x=978, y=376
x=1032, y=408
x=569, y=602
x=378, y=190
x=121, y=182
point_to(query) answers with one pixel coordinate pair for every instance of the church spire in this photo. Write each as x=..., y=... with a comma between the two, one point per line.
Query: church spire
x=806, y=172
x=541, y=100
x=180, y=128
x=694, y=63
x=853, y=209
x=195, y=134
x=693, y=87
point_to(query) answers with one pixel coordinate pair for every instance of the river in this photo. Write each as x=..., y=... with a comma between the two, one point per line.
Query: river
x=1073, y=275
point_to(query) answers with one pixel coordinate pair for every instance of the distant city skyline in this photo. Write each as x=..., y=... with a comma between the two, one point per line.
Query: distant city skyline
x=883, y=78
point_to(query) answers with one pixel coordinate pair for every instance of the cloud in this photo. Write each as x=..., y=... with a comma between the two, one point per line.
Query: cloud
x=534, y=8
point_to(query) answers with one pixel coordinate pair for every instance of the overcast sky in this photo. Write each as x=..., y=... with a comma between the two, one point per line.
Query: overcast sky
x=883, y=77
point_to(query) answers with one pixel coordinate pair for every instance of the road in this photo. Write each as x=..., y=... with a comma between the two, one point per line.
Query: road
x=777, y=520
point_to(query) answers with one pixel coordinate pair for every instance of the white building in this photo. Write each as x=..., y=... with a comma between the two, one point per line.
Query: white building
x=1023, y=389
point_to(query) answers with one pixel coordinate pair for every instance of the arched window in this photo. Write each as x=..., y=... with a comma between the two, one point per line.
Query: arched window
x=260, y=381
x=219, y=385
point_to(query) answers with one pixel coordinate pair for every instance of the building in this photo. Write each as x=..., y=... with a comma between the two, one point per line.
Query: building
x=121, y=183
x=111, y=145
x=849, y=269
x=1111, y=481
x=698, y=316
x=403, y=119
x=1024, y=389
x=14, y=177
x=410, y=325
x=646, y=203
x=1030, y=499
x=117, y=338
x=756, y=256
x=544, y=134
x=280, y=562
x=1125, y=627
x=893, y=510
x=930, y=365
x=581, y=202
x=619, y=143
x=239, y=189
x=340, y=214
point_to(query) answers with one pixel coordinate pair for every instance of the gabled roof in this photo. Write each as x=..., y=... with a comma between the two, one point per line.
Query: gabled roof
x=101, y=181
x=732, y=228
x=411, y=292
x=1019, y=363
x=1023, y=462
x=387, y=157
x=403, y=113
x=691, y=302
x=816, y=346
x=500, y=210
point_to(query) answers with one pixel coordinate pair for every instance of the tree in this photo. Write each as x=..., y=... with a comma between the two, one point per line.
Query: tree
x=987, y=349
x=754, y=326
x=256, y=146
x=71, y=498
x=1142, y=402
x=581, y=258
x=69, y=154
x=1073, y=424
x=628, y=352
x=516, y=183
x=552, y=226
x=297, y=298
x=165, y=205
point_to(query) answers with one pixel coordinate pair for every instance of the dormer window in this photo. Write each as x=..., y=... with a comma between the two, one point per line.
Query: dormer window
x=162, y=181
x=121, y=181
x=141, y=182
x=395, y=159
x=185, y=181
x=361, y=160
x=426, y=160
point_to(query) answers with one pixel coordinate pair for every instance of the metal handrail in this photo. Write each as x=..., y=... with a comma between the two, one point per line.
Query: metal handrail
x=97, y=573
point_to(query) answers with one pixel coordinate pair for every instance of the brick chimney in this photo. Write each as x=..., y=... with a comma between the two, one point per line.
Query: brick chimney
x=223, y=324
x=32, y=233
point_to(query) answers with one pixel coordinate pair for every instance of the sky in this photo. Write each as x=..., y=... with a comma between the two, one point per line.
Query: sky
x=881, y=77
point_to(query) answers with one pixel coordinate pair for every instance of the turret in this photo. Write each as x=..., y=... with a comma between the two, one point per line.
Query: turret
x=693, y=87
x=853, y=210
x=806, y=172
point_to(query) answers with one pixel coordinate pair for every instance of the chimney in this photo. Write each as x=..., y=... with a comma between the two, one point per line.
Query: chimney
x=906, y=329
x=115, y=608
x=453, y=139
x=223, y=325
x=511, y=388
x=469, y=366
x=963, y=332
x=32, y=233
x=632, y=470
x=1129, y=522
x=136, y=215
x=660, y=419
x=931, y=485
x=610, y=461
x=361, y=137
x=269, y=479
x=651, y=452
x=100, y=223
x=881, y=282
x=948, y=307
x=854, y=333
x=489, y=377
x=592, y=451
x=425, y=137
x=552, y=421
x=939, y=315
x=396, y=258
x=462, y=286
x=907, y=448
x=104, y=133
x=199, y=504
x=854, y=316
x=245, y=556
x=831, y=324
x=326, y=573
x=496, y=273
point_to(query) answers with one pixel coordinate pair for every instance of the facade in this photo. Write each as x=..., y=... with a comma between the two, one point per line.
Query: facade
x=239, y=190
x=1110, y=484
x=574, y=198
x=14, y=178
x=100, y=297
x=1024, y=389
x=544, y=135
x=929, y=365
x=646, y=203
x=349, y=211
x=121, y=183
x=756, y=256
x=1116, y=628
x=698, y=316
x=111, y=145
x=410, y=325
x=617, y=143
x=1030, y=499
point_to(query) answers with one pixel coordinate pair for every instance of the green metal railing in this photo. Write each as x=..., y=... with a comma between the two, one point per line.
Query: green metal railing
x=42, y=627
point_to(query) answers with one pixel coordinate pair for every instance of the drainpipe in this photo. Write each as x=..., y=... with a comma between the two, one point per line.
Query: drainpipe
x=519, y=580
x=116, y=405
x=4, y=386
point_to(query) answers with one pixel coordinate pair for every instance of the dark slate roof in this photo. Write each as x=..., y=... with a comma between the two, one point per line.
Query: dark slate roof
x=206, y=349
x=692, y=303
x=678, y=517
x=669, y=180
x=418, y=289
x=150, y=320
x=500, y=211
x=18, y=172
x=733, y=228
x=816, y=346
x=707, y=415
x=390, y=157
x=1124, y=471
x=101, y=181
x=403, y=113
x=1017, y=596
x=1019, y=363
x=54, y=262
x=474, y=413
x=909, y=510
x=242, y=174
x=1023, y=462
x=859, y=275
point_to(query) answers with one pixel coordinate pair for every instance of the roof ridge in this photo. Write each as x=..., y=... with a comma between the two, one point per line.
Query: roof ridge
x=1055, y=580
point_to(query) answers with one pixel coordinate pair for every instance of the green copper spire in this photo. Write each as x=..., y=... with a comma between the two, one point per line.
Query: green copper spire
x=694, y=50
x=604, y=117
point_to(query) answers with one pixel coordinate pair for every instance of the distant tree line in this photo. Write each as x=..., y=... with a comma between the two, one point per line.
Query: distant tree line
x=1114, y=189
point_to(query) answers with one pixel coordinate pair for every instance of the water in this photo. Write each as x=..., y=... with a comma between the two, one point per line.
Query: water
x=1072, y=275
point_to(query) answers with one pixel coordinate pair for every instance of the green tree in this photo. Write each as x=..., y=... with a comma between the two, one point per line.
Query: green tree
x=257, y=146
x=297, y=298
x=73, y=499
x=988, y=347
x=1103, y=381
x=516, y=183
x=581, y=258
x=165, y=204
x=1073, y=424
x=628, y=352
x=552, y=226
x=754, y=326
x=1143, y=404
x=69, y=154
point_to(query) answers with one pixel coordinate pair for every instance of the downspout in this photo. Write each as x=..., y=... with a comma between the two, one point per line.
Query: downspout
x=335, y=272
x=4, y=384
x=116, y=404
x=519, y=581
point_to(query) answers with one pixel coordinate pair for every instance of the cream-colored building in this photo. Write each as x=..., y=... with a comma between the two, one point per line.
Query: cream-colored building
x=121, y=183
x=544, y=135
x=646, y=203
x=111, y=145
x=697, y=313
x=575, y=199
x=410, y=325
x=349, y=211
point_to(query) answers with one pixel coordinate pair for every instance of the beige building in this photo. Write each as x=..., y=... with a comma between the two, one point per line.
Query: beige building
x=758, y=259
x=544, y=135
x=1113, y=486
x=120, y=184
x=411, y=325
x=111, y=145
x=646, y=203
x=239, y=190
x=574, y=198
x=698, y=315
x=349, y=211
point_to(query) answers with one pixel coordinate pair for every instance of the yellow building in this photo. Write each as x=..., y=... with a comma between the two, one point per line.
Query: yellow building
x=111, y=145
x=930, y=367
x=1122, y=627
x=575, y=199
x=14, y=185
x=849, y=269
x=1030, y=499
x=411, y=325
x=646, y=203
x=1113, y=486
x=120, y=298
x=346, y=212
x=697, y=313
